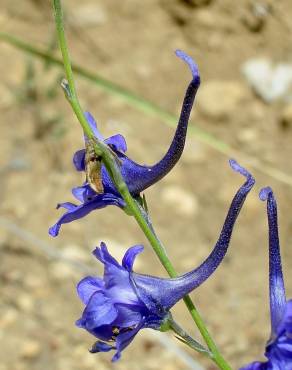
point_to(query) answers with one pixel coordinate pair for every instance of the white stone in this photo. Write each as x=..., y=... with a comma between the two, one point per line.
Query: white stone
x=219, y=99
x=183, y=202
x=270, y=81
x=30, y=349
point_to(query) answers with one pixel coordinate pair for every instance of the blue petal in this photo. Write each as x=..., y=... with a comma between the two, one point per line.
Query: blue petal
x=116, y=278
x=93, y=126
x=118, y=142
x=79, y=160
x=287, y=319
x=124, y=339
x=128, y=315
x=130, y=256
x=75, y=212
x=99, y=312
x=256, y=366
x=192, y=65
x=88, y=286
x=83, y=193
x=101, y=347
x=67, y=205
x=277, y=288
x=103, y=255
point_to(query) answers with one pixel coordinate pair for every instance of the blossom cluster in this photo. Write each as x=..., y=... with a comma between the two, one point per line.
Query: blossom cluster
x=123, y=302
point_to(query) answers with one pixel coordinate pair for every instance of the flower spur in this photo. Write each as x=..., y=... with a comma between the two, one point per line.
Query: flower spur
x=123, y=302
x=137, y=177
x=279, y=346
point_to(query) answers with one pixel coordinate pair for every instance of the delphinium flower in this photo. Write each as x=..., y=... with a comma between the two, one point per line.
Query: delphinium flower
x=279, y=346
x=124, y=302
x=137, y=177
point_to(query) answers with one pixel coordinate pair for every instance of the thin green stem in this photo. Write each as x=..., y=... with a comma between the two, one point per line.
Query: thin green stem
x=183, y=336
x=112, y=165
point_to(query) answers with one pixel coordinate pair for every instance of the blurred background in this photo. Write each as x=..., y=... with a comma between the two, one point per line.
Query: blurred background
x=243, y=109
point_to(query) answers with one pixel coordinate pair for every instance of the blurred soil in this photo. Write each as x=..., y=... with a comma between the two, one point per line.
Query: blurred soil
x=132, y=43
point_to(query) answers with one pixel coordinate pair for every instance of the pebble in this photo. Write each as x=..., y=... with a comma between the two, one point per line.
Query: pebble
x=25, y=302
x=205, y=18
x=61, y=270
x=195, y=151
x=88, y=15
x=76, y=252
x=183, y=202
x=30, y=349
x=247, y=135
x=8, y=318
x=254, y=18
x=270, y=81
x=219, y=99
x=286, y=116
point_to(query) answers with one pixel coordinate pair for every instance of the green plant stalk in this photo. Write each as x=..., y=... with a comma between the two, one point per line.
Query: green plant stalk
x=112, y=166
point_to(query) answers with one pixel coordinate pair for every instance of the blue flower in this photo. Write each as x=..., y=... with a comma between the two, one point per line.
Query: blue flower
x=123, y=302
x=137, y=177
x=279, y=347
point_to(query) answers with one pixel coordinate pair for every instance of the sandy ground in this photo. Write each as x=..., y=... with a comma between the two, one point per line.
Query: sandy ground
x=132, y=44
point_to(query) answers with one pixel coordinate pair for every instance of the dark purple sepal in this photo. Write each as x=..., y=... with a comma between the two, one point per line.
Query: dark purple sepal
x=164, y=293
x=279, y=347
x=138, y=177
x=276, y=281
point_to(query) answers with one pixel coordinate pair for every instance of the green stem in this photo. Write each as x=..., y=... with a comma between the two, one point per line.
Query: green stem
x=112, y=166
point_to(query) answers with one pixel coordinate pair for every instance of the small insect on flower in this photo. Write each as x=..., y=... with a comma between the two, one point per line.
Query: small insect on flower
x=93, y=167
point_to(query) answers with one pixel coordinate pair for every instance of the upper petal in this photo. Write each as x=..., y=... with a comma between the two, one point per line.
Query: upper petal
x=83, y=193
x=103, y=255
x=79, y=160
x=93, y=126
x=98, y=312
x=116, y=278
x=88, y=286
x=118, y=142
x=130, y=256
x=128, y=315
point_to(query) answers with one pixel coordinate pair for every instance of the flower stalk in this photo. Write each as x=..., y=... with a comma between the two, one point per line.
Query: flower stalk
x=110, y=161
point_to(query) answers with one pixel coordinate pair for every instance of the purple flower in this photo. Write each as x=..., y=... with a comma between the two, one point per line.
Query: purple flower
x=123, y=302
x=137, y=177
x=279, y=347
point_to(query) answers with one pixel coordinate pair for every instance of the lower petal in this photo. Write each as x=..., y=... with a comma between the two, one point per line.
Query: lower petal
x=124, y=339
x=98, y=312
x=75, y=212
x=101, y=347
x=87, y=287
